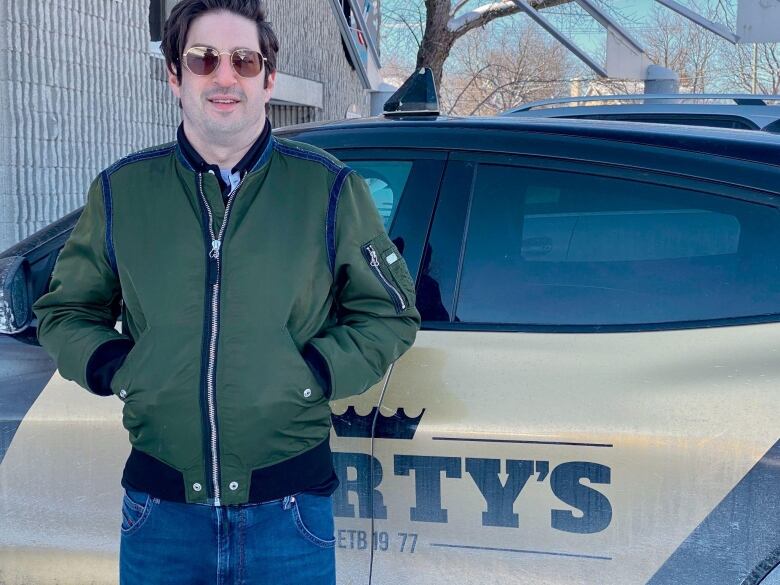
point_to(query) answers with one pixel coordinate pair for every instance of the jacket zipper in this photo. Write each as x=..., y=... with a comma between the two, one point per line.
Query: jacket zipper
x=214, y=268
x=395, y=294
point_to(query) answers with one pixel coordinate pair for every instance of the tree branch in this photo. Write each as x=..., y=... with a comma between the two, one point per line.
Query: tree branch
x=458, y=6
x=489, y=96
x=402, y=19
x=472, y=80
x=486, y=13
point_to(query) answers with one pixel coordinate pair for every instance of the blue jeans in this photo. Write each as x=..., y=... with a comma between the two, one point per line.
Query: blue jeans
x=282, y=542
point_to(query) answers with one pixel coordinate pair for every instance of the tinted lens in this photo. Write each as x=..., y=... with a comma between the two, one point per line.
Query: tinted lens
x=202, y=60
x=247, y=63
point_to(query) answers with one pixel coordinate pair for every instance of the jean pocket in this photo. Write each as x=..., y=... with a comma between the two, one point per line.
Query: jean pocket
x=313, y=517
x=136, y=508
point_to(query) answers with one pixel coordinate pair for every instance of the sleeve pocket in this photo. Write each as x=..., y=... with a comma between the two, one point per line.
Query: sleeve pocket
x=390, y=268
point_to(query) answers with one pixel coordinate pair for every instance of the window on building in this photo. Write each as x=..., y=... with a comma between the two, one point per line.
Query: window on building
x=370, y=12
x=158, y=13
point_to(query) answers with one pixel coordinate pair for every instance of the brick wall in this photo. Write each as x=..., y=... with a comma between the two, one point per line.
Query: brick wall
x=80, y=89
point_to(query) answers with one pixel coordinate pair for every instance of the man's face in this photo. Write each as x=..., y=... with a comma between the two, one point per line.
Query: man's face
x=222, y=106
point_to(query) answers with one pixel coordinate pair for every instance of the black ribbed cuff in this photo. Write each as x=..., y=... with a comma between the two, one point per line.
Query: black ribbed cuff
x=104, y=363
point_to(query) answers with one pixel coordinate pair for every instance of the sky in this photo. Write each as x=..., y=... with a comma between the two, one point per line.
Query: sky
x=726, y=70
x=586, y=32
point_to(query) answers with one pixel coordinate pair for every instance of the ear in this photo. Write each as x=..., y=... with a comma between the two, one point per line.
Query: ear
x=173, y=82
x=269, y=86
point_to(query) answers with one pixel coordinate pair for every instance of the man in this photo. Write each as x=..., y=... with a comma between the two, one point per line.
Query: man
x=257, y=283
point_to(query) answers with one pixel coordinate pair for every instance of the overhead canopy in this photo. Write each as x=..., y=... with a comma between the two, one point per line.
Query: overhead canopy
x=757, y=22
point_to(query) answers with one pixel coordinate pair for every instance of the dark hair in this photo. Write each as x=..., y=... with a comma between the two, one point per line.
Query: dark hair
x=178, y=23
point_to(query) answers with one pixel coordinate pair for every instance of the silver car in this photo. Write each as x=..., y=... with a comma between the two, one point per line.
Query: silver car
x=742, y=112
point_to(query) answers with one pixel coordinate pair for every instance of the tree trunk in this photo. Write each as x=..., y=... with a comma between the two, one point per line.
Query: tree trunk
x=437, y=40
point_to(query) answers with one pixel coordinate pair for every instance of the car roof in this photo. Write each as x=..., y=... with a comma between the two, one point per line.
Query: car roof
x=652, y=98
x=759, y=117
x=448, y=132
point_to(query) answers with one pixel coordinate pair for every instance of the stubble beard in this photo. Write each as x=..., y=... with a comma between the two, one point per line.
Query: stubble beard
x=223, y=130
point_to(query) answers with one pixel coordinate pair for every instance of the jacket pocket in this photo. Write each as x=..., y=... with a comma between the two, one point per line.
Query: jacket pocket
x=310, y=388
x=389, y=267
x=123, y=377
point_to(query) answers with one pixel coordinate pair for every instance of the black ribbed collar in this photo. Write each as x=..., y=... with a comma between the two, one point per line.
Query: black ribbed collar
x=246, y=164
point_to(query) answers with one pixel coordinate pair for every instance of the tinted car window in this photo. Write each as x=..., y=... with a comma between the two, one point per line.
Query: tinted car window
x=554, y=248
x=687, y=120
x=387, y=180
x=774, y=127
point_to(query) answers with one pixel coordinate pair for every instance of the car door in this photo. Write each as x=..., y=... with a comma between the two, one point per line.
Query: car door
x=61, y=453
x=24, y=367
x=404, y=184
x=593, y=397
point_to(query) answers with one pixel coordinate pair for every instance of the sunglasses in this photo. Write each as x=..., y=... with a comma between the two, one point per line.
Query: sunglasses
x=203, y=60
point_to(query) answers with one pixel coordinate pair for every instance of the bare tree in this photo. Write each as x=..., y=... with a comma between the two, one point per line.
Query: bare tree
x=742, y=63
x=512, y=61
x=491, y=70
x=437, y=24
x=738, y=68
x=707, y=62
x=677, y=43
x=664, y=41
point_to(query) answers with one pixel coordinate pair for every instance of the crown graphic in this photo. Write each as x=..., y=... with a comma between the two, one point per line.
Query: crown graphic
x=396, y=426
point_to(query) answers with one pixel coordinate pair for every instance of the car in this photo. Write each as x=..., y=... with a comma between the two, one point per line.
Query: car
x=744, y=112
x=593, y=397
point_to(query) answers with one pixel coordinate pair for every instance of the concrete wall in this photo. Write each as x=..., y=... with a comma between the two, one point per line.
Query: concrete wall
x=81, y=89
x=310, y=47
x=8, y=230
x=81, y=95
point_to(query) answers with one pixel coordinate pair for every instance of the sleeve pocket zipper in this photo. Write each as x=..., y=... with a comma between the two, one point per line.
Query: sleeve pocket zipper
x=395, y=294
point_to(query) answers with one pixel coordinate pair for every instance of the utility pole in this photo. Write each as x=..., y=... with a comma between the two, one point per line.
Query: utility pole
x=755, y=68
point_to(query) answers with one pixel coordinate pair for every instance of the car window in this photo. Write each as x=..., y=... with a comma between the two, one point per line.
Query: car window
x=386, y=180
x=404, y=183
x=712, y=121
x=774, y=127
x=552, y=248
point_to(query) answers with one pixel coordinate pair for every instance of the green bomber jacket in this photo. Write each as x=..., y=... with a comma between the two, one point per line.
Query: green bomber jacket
x=241, y=319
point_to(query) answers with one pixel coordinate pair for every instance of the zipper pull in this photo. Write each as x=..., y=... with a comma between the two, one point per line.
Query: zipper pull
x=374, y=257
x=213, y=263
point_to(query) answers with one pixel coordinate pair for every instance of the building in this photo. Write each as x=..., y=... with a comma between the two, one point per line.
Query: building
x=82, y=83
